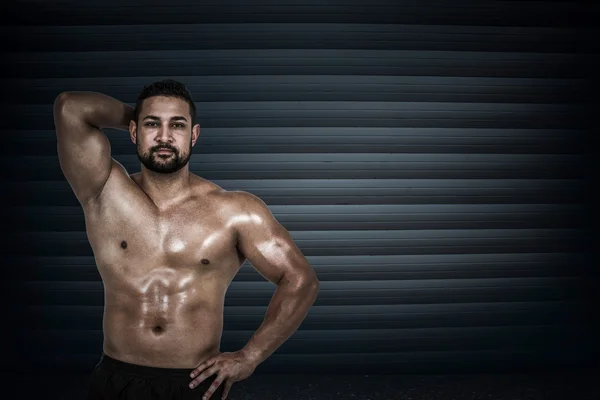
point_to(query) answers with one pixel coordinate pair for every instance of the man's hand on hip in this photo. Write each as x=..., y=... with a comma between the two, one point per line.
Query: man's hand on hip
x=229, y=368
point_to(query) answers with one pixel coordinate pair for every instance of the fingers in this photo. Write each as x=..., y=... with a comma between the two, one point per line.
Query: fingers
x=209, y=372
x=201, y=367
x=215, y=385
x=226, y=388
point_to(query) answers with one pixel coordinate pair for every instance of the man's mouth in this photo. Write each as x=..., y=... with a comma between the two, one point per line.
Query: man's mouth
x=164, y=151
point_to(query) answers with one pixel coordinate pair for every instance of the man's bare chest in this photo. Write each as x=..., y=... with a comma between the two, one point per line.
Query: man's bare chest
x=129, y=230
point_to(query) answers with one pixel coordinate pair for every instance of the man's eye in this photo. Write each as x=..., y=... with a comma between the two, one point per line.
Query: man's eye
x=175, y=125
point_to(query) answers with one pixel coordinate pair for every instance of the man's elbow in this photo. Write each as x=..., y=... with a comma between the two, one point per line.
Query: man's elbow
x=313, y=283
x=64, y=105
x=308, y=283
x=62, y=100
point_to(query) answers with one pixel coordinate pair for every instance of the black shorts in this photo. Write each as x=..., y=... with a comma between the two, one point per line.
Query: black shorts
x=117, y=380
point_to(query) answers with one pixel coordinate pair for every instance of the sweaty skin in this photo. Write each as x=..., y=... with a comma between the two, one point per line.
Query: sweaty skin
x=167, y=246
x=165, y=271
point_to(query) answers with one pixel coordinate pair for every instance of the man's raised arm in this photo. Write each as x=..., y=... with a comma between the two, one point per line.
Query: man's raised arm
x=83, y=149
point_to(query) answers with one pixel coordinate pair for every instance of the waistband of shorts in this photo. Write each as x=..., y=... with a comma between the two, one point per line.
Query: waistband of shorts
x=143, y=371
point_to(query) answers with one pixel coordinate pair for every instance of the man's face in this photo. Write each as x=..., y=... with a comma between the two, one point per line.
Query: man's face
x=164, y=134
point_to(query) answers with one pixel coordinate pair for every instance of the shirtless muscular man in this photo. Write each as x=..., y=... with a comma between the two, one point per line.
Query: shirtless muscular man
x=167, y=244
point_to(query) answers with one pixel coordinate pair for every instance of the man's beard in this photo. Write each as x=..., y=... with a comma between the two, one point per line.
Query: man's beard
x=167, y=163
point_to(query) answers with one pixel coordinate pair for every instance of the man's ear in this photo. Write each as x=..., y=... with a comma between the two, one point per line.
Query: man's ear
x=133, y=131
x=195, y=133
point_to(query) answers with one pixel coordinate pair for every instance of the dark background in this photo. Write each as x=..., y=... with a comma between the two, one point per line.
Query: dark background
x=435, y=161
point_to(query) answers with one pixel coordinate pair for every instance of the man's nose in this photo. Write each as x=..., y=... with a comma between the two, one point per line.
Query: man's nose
x=163, y=134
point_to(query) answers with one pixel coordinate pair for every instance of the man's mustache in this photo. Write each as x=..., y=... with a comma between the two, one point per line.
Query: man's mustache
x=155, y=149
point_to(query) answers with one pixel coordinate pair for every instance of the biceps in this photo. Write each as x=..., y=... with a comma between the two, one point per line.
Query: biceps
x=274, y=256
x=83, y=153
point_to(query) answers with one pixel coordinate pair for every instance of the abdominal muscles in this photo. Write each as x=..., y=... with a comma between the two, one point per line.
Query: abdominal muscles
x=165, y=317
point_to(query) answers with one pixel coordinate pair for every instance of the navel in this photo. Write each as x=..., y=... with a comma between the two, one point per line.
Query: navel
x=123, y=244
x=157, y=329
x=205, y=261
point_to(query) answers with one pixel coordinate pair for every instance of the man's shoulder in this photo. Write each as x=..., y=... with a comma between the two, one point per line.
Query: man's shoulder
x=243, y=210
x=239, y=205
x=230, y=202
x=241, y=199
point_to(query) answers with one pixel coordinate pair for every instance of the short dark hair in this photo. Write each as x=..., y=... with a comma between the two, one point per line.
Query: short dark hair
x=166, y=87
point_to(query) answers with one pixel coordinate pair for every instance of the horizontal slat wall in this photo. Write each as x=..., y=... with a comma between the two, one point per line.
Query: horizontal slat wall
x=431, y=159
x=478, y=64
x=528, y=13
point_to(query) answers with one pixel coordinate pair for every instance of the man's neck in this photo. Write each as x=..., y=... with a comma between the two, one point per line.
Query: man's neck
x=166, y=189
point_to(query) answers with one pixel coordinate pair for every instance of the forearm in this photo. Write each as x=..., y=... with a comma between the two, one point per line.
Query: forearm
x=287, y=309
x=96, y=109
